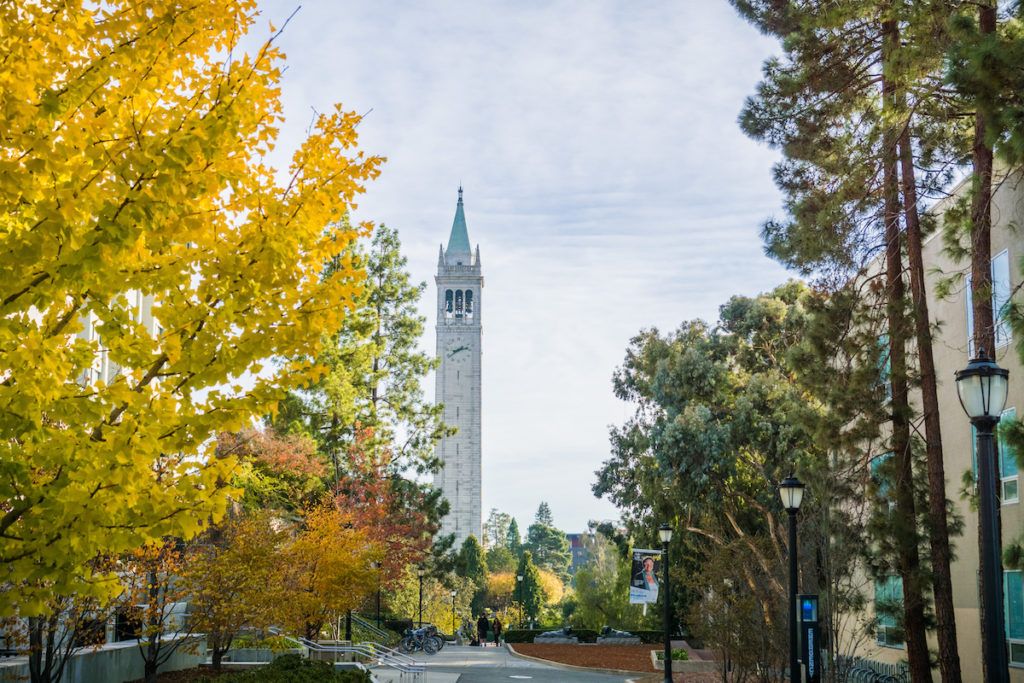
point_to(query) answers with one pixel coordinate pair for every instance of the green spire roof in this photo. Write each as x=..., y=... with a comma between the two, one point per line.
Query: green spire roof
x=458, y=243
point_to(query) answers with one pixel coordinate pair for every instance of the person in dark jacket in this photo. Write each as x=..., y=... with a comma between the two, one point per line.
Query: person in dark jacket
x=482, y=625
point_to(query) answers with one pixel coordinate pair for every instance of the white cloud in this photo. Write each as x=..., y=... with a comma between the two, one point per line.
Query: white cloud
x=606, y=181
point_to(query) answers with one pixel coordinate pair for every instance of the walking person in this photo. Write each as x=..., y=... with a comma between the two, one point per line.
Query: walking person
x=482, y=624
x=496, y=626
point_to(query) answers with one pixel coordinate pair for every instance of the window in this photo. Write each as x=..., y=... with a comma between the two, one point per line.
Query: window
x=448, y=302
x=881, y=478
x=1009, y=485
x=885, y=365
x=888, y=604
x=469, y=303
x=1000, y=302
x=458, y=303
x=1009, y=476
x=1013, y=595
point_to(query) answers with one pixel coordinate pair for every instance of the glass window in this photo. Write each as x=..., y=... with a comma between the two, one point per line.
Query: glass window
x=884, y=364
x=888, y=604
x=1001, y=290
x=1013, y=591
x=881, y=478
x=1008, y=473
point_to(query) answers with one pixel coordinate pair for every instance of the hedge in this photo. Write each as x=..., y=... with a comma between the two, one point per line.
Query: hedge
x=585, y=635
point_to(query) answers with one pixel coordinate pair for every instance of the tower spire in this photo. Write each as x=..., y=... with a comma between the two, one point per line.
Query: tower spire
x=458, y=250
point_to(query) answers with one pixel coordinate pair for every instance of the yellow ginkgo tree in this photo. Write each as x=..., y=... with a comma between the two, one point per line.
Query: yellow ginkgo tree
x=153, y=267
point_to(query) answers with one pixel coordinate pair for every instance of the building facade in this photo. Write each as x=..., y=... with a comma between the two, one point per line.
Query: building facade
x=459, y=284
x=953, y=347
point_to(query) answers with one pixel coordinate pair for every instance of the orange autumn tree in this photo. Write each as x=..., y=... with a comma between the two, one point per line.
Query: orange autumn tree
x=153, y=592
x=232, y=579
x=394, y=512
x=152, y=259
x=327, y=569
x=278, y=471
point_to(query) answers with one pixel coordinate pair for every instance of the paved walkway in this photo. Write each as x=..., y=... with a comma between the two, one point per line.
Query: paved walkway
x=464, y=664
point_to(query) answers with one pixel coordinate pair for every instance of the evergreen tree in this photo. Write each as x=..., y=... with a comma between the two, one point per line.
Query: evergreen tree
x=719, y=414
x=496, y=529
x=531, y=592
x=471, y=564
x=841, y=107
x=544, y=515
x=515, y=539
x=500, y=560
x=368, y=414
x=550, y=546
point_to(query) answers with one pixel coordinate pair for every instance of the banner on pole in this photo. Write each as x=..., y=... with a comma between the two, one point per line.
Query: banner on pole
x=643, y=586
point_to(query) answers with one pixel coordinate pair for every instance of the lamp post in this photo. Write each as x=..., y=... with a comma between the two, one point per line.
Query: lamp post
x=421, y=572
x=453, y=612
x=377, y=566
x=982, y=388
x=791, y=490
x=519, y=592
x=665, y=533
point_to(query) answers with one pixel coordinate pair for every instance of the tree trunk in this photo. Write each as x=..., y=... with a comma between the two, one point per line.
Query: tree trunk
x=217, y=656
x=983, y=333
x=905, y=517
x=938, y=527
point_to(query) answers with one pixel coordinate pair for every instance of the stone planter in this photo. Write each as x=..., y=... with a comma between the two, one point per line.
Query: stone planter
x=618, y=641
x=684, y=665
x=561, y=640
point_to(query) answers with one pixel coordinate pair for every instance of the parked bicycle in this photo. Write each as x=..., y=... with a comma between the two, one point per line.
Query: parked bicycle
x=424, y=639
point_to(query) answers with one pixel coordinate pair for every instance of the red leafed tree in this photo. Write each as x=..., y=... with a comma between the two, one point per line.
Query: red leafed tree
x=399, y=514
x=280, y=471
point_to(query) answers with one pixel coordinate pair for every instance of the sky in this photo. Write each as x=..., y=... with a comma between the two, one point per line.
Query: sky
x=606, y=182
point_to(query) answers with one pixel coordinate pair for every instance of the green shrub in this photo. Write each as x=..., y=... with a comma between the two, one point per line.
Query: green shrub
x=677, y=655
x=273, y=643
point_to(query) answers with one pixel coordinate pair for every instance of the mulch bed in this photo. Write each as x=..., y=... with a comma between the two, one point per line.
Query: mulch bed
x=621, y=657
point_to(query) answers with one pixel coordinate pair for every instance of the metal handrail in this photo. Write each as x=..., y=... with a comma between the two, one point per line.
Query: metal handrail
x=366, y=624
x=384, y=655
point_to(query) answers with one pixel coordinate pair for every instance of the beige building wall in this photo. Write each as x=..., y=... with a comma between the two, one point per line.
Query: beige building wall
x=951, y=354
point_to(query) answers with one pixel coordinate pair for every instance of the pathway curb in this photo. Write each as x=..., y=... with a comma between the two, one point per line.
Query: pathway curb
x=560, y=665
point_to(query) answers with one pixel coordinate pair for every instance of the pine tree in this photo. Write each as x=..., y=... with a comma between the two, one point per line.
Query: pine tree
x=531, y=592
x=825, y=108
x=472, y=564
x=544, y=515
x=515, y=539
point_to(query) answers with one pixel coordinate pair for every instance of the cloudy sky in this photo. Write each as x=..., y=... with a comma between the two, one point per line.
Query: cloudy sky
x=606, y=183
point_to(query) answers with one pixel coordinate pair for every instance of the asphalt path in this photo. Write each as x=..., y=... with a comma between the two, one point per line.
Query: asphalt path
x=464, y=664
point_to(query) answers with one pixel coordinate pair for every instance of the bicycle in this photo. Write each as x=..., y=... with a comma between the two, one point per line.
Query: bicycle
x=421, y=639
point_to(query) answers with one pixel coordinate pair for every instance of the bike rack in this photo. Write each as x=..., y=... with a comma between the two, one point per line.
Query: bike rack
x=383, y=655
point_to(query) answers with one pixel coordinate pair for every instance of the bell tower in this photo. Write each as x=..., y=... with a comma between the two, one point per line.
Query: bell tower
x=459, y=284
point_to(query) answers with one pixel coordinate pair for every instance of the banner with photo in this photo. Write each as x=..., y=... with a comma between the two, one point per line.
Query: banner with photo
x=643, y=586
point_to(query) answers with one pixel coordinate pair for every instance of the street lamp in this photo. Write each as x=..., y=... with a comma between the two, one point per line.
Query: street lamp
x=453, y=613
x=791, y=490
x=377, y=566
x=421, y=571
x=519, y=592
x=665, y=533
x=982, y=388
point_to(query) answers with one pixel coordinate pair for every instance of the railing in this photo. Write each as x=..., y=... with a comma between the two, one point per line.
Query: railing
x=366, y=624
x=859, y=670
x=383, y=655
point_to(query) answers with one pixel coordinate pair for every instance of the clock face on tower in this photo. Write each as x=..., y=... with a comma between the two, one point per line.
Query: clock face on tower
x=456, y=350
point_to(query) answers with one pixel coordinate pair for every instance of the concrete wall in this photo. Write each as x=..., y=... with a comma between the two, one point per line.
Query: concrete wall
x=112, y=663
